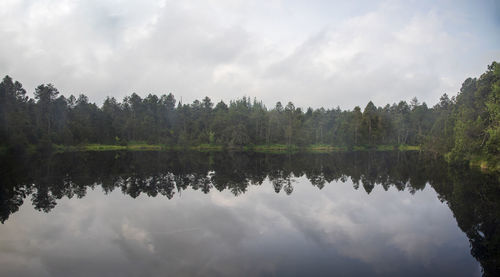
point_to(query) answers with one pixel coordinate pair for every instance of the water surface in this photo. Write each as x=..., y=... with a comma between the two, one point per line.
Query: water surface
x=241, y=214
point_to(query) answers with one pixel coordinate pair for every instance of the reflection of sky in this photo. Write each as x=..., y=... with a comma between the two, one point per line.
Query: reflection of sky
x=310, y=232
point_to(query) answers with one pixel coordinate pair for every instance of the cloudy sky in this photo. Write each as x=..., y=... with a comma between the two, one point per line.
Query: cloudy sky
x=313, y=53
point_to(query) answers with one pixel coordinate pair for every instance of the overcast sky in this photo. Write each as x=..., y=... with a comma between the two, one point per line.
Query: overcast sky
x=313, y=53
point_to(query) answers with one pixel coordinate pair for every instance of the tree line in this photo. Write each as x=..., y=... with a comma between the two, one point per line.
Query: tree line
x=462, y=126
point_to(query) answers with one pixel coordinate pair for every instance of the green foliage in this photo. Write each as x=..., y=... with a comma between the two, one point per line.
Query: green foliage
x=463, y=126
x=476, y=118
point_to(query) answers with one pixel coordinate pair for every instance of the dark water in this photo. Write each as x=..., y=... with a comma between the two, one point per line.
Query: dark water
x=246, y=214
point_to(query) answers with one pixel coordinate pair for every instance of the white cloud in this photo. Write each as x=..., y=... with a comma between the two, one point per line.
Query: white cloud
x=321, y=54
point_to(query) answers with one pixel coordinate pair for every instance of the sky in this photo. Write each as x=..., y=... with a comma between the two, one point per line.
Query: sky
x=313, y=53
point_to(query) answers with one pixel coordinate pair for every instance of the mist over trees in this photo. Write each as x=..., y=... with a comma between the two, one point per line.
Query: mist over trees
x=464, y=125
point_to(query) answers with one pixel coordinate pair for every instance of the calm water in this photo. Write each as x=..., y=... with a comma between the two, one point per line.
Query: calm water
x=246, y=214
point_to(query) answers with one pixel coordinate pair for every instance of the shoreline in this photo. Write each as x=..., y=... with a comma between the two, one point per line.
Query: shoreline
x=477, y=162
x=273, y=148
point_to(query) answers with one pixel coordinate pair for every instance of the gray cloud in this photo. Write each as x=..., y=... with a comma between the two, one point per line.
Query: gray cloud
x=384, y=232
x=320, y=54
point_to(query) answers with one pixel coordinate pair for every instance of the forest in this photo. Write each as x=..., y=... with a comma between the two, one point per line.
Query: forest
x=464, y=127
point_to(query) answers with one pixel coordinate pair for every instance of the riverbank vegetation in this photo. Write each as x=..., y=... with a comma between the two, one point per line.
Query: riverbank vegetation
x=464, y=127
x=273, y=148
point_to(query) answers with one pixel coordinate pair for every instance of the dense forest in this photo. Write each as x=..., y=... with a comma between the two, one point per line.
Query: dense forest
x=463, y=127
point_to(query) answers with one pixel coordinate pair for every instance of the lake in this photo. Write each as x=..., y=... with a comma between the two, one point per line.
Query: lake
x=246, y=214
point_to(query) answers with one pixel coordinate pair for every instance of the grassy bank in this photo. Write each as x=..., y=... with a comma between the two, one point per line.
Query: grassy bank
x=109, y=147
x=135, y=147
x=402, y=147
x=324, y=148
x=267, y=148
x=485, y=164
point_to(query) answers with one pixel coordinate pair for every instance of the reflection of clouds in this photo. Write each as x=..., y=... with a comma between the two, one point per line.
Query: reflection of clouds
x=386, y=229
x=257, y=233
x=130, y=232
x=223, y=200
x=381, y=229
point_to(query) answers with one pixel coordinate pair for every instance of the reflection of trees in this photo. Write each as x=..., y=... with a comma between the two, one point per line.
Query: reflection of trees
x=157, y=173
x=473, y=197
